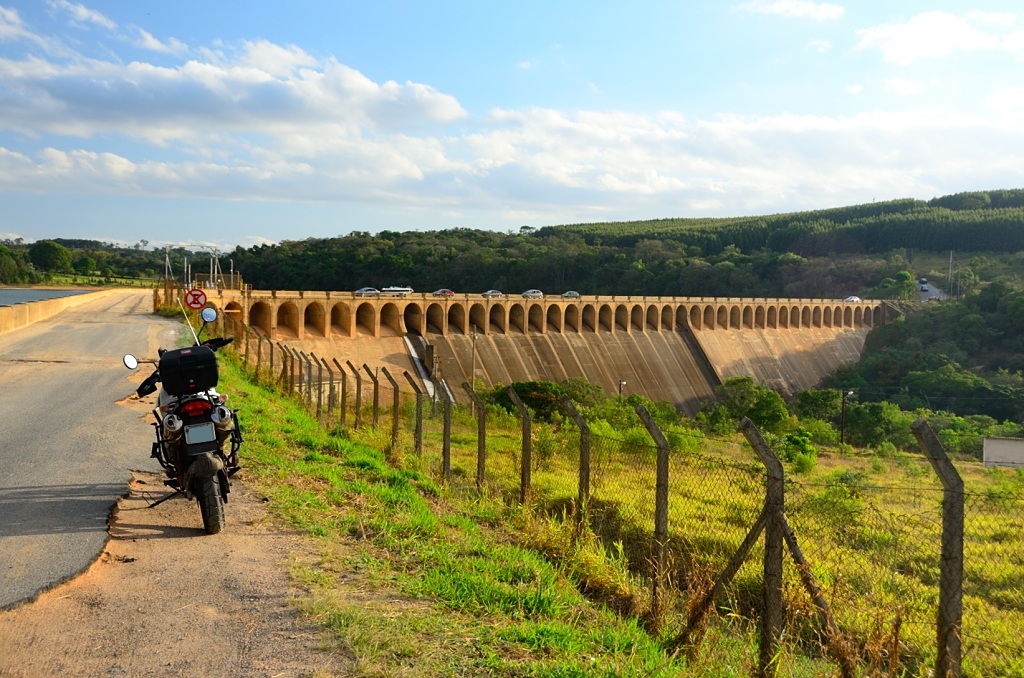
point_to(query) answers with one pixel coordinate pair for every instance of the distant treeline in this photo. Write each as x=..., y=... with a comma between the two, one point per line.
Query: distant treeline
x=33, y=263
x=825, y=253
x=977, y=221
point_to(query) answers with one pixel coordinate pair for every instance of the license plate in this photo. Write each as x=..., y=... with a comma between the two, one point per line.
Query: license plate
x=200, y=433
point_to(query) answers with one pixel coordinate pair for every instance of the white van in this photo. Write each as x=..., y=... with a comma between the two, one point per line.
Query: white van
x=396, y=291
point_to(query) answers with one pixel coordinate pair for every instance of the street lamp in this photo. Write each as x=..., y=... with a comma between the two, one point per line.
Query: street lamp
x=622, y=382
x=842, y=418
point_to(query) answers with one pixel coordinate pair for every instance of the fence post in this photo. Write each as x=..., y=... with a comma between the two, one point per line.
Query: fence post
x=259, y=357
x=951, y=564
x=526, y=462
x=270, y=345
x=446, y=439
x=376, y=394
x=774, y=504
x=286, y=368
x=245, y=333
x=295, y=375
x=419, y=412
x=319, y=385
x=660, y=519
x=344, y=389
x=330, y=391
x=359, y=393
x=307, y=372
x=583, y=497
x=395, y=403
x=481, y=435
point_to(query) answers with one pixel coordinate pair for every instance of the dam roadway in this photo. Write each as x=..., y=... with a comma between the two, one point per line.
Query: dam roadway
x=66, y=446
x=675, y=349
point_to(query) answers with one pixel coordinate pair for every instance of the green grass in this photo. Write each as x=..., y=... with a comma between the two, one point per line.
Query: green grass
x=532, y=597
x=413, y=580
x=63, y=279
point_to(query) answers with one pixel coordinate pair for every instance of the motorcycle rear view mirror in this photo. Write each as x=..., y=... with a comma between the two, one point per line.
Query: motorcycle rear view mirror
x=130, y=361
x=209, y=314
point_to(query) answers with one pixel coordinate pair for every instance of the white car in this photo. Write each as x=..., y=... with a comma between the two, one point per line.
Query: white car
x=533, y=294
x=367, y=292
x=852, y=298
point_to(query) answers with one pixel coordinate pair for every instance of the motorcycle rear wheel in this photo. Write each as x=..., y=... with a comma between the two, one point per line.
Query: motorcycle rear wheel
x=211, y=504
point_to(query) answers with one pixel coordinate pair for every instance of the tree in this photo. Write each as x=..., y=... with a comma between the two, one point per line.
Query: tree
x=47, y=255
x=743, y=397
x=8, y=266
x=824, y=404
x=85, y=265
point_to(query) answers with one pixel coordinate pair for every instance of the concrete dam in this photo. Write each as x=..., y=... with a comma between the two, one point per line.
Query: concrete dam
x=675, y=349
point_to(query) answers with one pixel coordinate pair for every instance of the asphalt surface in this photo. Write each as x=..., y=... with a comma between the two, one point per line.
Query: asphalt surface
x=66, y=447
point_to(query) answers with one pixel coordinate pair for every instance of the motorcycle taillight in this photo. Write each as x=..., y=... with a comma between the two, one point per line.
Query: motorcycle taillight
x=195, y=408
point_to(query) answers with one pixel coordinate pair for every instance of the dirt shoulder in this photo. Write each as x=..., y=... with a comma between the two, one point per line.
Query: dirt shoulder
x=166, y=599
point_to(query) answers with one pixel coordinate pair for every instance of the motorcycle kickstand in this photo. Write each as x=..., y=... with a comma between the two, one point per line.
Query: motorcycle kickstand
x=163, y=499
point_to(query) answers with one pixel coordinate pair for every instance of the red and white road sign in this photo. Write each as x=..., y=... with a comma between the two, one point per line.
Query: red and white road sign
x=195, y=299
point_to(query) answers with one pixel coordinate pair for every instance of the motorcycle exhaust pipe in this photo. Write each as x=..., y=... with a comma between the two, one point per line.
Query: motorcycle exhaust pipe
x=223, y=421
x=173, y=426
x=222, y=418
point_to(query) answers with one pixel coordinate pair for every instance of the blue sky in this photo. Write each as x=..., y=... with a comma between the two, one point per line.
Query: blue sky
x=230, y=123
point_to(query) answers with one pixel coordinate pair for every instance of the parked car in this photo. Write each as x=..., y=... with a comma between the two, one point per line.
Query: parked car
x=444, y=292
x=367, y=292
x=571, y=294
x=533, y=294
x=493, y=293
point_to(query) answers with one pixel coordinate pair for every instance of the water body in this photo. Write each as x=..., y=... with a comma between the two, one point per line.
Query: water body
x=19, y=295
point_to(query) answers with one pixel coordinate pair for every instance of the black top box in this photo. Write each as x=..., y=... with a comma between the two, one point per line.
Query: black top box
x=188, y=370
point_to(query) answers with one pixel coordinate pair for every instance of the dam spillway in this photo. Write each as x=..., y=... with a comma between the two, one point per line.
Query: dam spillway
x=675, y=349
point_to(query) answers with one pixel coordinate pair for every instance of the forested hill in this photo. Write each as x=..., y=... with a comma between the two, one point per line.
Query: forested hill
x=946, y=223
x=824, y=253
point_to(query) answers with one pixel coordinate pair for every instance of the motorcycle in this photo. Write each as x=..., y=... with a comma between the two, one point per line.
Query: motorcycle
x=197, y=436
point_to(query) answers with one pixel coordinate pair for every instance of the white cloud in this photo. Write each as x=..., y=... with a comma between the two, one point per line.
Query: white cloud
x=587, y=164
x=13, y=28
x=795, y=8
x=994, y=18
x=1006, y=98
x=933, y=35
x=904, y=86
x=81, y=14
x=145, y=40
x=266, y=122
x=820, y=46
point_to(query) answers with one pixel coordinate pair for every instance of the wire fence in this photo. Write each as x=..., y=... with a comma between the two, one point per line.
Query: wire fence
x=893, y=568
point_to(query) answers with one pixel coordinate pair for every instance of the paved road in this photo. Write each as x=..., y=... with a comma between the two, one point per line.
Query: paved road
x=66, y=446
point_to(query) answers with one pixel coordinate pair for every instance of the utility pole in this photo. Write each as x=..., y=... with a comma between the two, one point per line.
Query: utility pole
x=842, y=418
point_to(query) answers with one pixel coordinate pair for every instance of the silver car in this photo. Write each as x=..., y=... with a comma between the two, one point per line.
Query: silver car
x=493, y=293
x=367, y=292
x=533, y=294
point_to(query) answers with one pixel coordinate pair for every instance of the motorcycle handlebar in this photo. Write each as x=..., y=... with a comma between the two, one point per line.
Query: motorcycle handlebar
x=217, y=342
